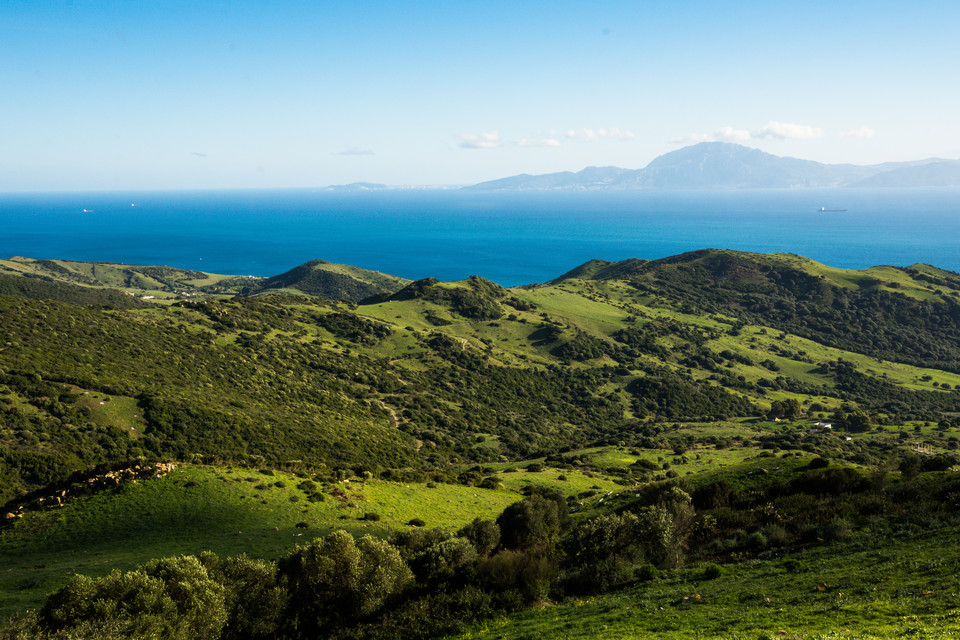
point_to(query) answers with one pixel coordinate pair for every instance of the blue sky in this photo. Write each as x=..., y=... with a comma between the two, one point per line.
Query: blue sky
x=182, y=95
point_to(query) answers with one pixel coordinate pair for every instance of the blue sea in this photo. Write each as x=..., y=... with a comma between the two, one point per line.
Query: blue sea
x=509, y=237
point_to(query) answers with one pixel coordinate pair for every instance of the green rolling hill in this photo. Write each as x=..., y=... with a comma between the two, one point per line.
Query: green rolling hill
x=712, y=373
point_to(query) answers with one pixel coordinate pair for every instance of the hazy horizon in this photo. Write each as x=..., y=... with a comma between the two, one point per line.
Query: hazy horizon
x=199, y=95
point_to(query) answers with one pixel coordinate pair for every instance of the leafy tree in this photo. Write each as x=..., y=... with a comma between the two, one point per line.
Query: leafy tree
x=168, y=598
x=444, y=561
x=336, y=578
x=254, y=599
x=532, y=523
x=528, y=573
x=604, y=551
x=785, y=409
x=412, y=542
x=655, y=534
x=484, y=535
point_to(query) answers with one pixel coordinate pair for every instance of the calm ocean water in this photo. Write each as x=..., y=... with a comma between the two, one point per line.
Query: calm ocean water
x=509, y=237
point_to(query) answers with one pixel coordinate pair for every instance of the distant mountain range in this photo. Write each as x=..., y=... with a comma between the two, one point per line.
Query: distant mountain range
x=721, y=165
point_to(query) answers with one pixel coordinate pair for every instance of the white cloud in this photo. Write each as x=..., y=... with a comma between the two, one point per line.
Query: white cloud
x=592, y=135
x=617, y=134
x=729, y=134
x=862, y=132
x=542, y=142
x=486, y=140
x=788, y=131
x=724, y=134
x=583, y=134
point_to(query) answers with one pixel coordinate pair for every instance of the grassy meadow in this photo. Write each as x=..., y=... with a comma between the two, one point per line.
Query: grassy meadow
x=869, y=588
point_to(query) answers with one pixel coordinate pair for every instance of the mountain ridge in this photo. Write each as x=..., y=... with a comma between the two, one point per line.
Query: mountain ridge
x=722, y=165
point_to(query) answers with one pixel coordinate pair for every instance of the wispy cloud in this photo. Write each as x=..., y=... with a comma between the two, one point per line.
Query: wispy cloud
x=603, y=133
x=197, y=154
x=486, y=140
x=354, y=151
x=788, y=131
x=541, y=142
x=862, y=132
x=773, y=130
x=551, y=139
x=724, y=134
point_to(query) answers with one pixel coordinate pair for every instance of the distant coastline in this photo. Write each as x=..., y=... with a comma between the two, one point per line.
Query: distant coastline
x=721, y=165
x=512, y=238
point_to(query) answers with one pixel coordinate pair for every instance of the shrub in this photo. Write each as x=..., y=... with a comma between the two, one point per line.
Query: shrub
x=336, y=577
x=484, y=535
x=307, y=486
x=534, y=522
x=445, y=560
x=792, y=565
x=417, y=522
x=169, y=598
x=647, y=572
x=412, y=542
x=756, y=540
x=490, y=482
x=255, y=601
x=837, y=529
x=604, y=552
x=711, y=571
x=776, y=535
x=527, y=572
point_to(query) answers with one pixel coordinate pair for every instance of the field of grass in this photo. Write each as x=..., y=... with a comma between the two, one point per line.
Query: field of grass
x=906, y=586
x=566, y=481
x=228, y=511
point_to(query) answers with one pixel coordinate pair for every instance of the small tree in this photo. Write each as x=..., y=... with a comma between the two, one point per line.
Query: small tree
x=604, y=551
x=166, y=598
x=336, y=577
x=532, y=523
x=255, y=602
x=447, y=560
x=484, y=535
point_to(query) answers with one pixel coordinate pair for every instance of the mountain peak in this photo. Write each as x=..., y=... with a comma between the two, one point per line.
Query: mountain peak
x=726, y=165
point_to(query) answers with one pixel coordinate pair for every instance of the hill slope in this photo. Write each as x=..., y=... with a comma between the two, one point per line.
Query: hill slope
x=331, y=281
x=699, y=383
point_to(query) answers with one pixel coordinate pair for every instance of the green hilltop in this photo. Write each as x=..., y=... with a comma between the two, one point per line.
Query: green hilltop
x=331, y=281
x=795, y=405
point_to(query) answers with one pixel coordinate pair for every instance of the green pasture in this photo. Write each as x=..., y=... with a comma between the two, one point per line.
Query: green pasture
x=566, y=481
x=227, y=511
x=906, y=586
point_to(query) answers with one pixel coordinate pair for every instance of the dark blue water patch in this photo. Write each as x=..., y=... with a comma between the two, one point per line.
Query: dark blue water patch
x=509, y=237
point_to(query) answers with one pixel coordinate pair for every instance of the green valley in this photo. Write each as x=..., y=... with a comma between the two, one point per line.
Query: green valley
x=682, y=448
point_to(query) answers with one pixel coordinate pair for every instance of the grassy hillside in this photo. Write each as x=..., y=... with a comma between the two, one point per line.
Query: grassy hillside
x=229, y=511
x=714, y=372
x=863, y=589
x=330, y=281
x=157, y=282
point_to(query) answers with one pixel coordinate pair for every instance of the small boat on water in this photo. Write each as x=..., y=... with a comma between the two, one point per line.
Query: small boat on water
x=825, y=210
